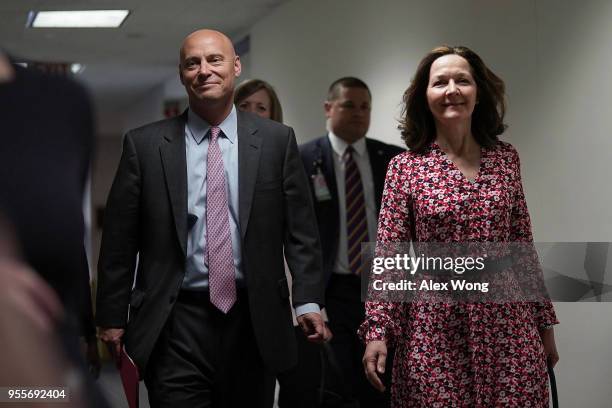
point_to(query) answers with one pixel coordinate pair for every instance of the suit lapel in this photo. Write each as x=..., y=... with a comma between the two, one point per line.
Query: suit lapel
x=327, y=168
x=379, y=170
x=249, y=150
x=175, y=171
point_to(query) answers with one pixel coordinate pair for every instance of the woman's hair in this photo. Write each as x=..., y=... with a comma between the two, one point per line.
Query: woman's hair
x=417, y=123
x=249, y=87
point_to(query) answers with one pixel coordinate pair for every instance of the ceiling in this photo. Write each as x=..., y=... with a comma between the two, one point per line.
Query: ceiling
x=141, y=54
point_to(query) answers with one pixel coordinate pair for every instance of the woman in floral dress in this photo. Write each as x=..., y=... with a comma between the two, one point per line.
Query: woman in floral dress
x=458, y=183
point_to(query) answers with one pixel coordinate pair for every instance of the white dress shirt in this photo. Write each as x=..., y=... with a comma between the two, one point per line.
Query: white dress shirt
x=362, y=159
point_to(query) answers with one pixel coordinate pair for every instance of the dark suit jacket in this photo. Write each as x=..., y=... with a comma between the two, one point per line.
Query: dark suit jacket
x=317, y=154
x=147, y=214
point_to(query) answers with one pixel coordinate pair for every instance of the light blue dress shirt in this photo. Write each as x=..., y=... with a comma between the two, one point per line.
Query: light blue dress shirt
x=196, y=149
x=196, y=145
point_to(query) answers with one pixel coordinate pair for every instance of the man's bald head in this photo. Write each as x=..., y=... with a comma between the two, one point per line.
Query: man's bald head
x=208, y=68
x=207, y=35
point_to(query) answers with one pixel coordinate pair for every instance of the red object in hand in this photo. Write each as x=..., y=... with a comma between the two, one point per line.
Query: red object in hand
x=129, y=377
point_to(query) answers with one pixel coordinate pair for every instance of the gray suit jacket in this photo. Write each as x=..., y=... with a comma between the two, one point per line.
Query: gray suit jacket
x=146, y=214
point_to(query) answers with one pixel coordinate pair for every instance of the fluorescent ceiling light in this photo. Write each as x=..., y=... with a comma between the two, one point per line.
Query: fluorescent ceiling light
x=77, y=19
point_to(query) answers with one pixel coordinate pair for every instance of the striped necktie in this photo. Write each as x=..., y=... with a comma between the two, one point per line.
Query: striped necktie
x=221, y=280
x=356, y=221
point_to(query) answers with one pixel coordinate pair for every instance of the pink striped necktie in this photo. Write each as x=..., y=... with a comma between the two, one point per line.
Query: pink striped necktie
x=221, y=280
x=356, y=222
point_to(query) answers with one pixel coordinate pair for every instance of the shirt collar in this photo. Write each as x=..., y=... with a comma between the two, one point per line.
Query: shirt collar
x=199, y=128
x=339, y=145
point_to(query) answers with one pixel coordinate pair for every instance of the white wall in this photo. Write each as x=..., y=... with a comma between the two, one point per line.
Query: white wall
x=555, y=59
x=146, y=109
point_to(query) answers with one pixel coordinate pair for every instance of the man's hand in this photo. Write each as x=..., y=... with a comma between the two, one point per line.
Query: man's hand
x=374, y=361
x=112, y=338
x=314, y=328
x=550, y=347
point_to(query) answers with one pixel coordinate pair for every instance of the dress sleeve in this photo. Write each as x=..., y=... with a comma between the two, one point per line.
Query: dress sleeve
x=382, y=318
x=520, y=231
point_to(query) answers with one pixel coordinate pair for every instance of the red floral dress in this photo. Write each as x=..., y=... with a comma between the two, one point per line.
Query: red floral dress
x=461, y=354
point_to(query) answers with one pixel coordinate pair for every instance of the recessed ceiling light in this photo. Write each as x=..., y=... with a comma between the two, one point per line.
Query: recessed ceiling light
x=77, y=19
x=77, y=68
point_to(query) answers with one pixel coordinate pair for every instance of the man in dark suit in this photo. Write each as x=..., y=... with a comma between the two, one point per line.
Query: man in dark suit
x=347, y=172
x=209, y=201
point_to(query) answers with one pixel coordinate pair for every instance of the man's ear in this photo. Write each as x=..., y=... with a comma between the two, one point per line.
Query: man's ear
x=237, y=66
x=181, y=74
x=327, y=107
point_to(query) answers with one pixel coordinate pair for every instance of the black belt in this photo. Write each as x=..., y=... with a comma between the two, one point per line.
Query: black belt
x=202, y=297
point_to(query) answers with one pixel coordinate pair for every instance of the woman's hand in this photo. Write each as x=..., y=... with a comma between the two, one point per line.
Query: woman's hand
x=550, y=347
x=374, y=361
